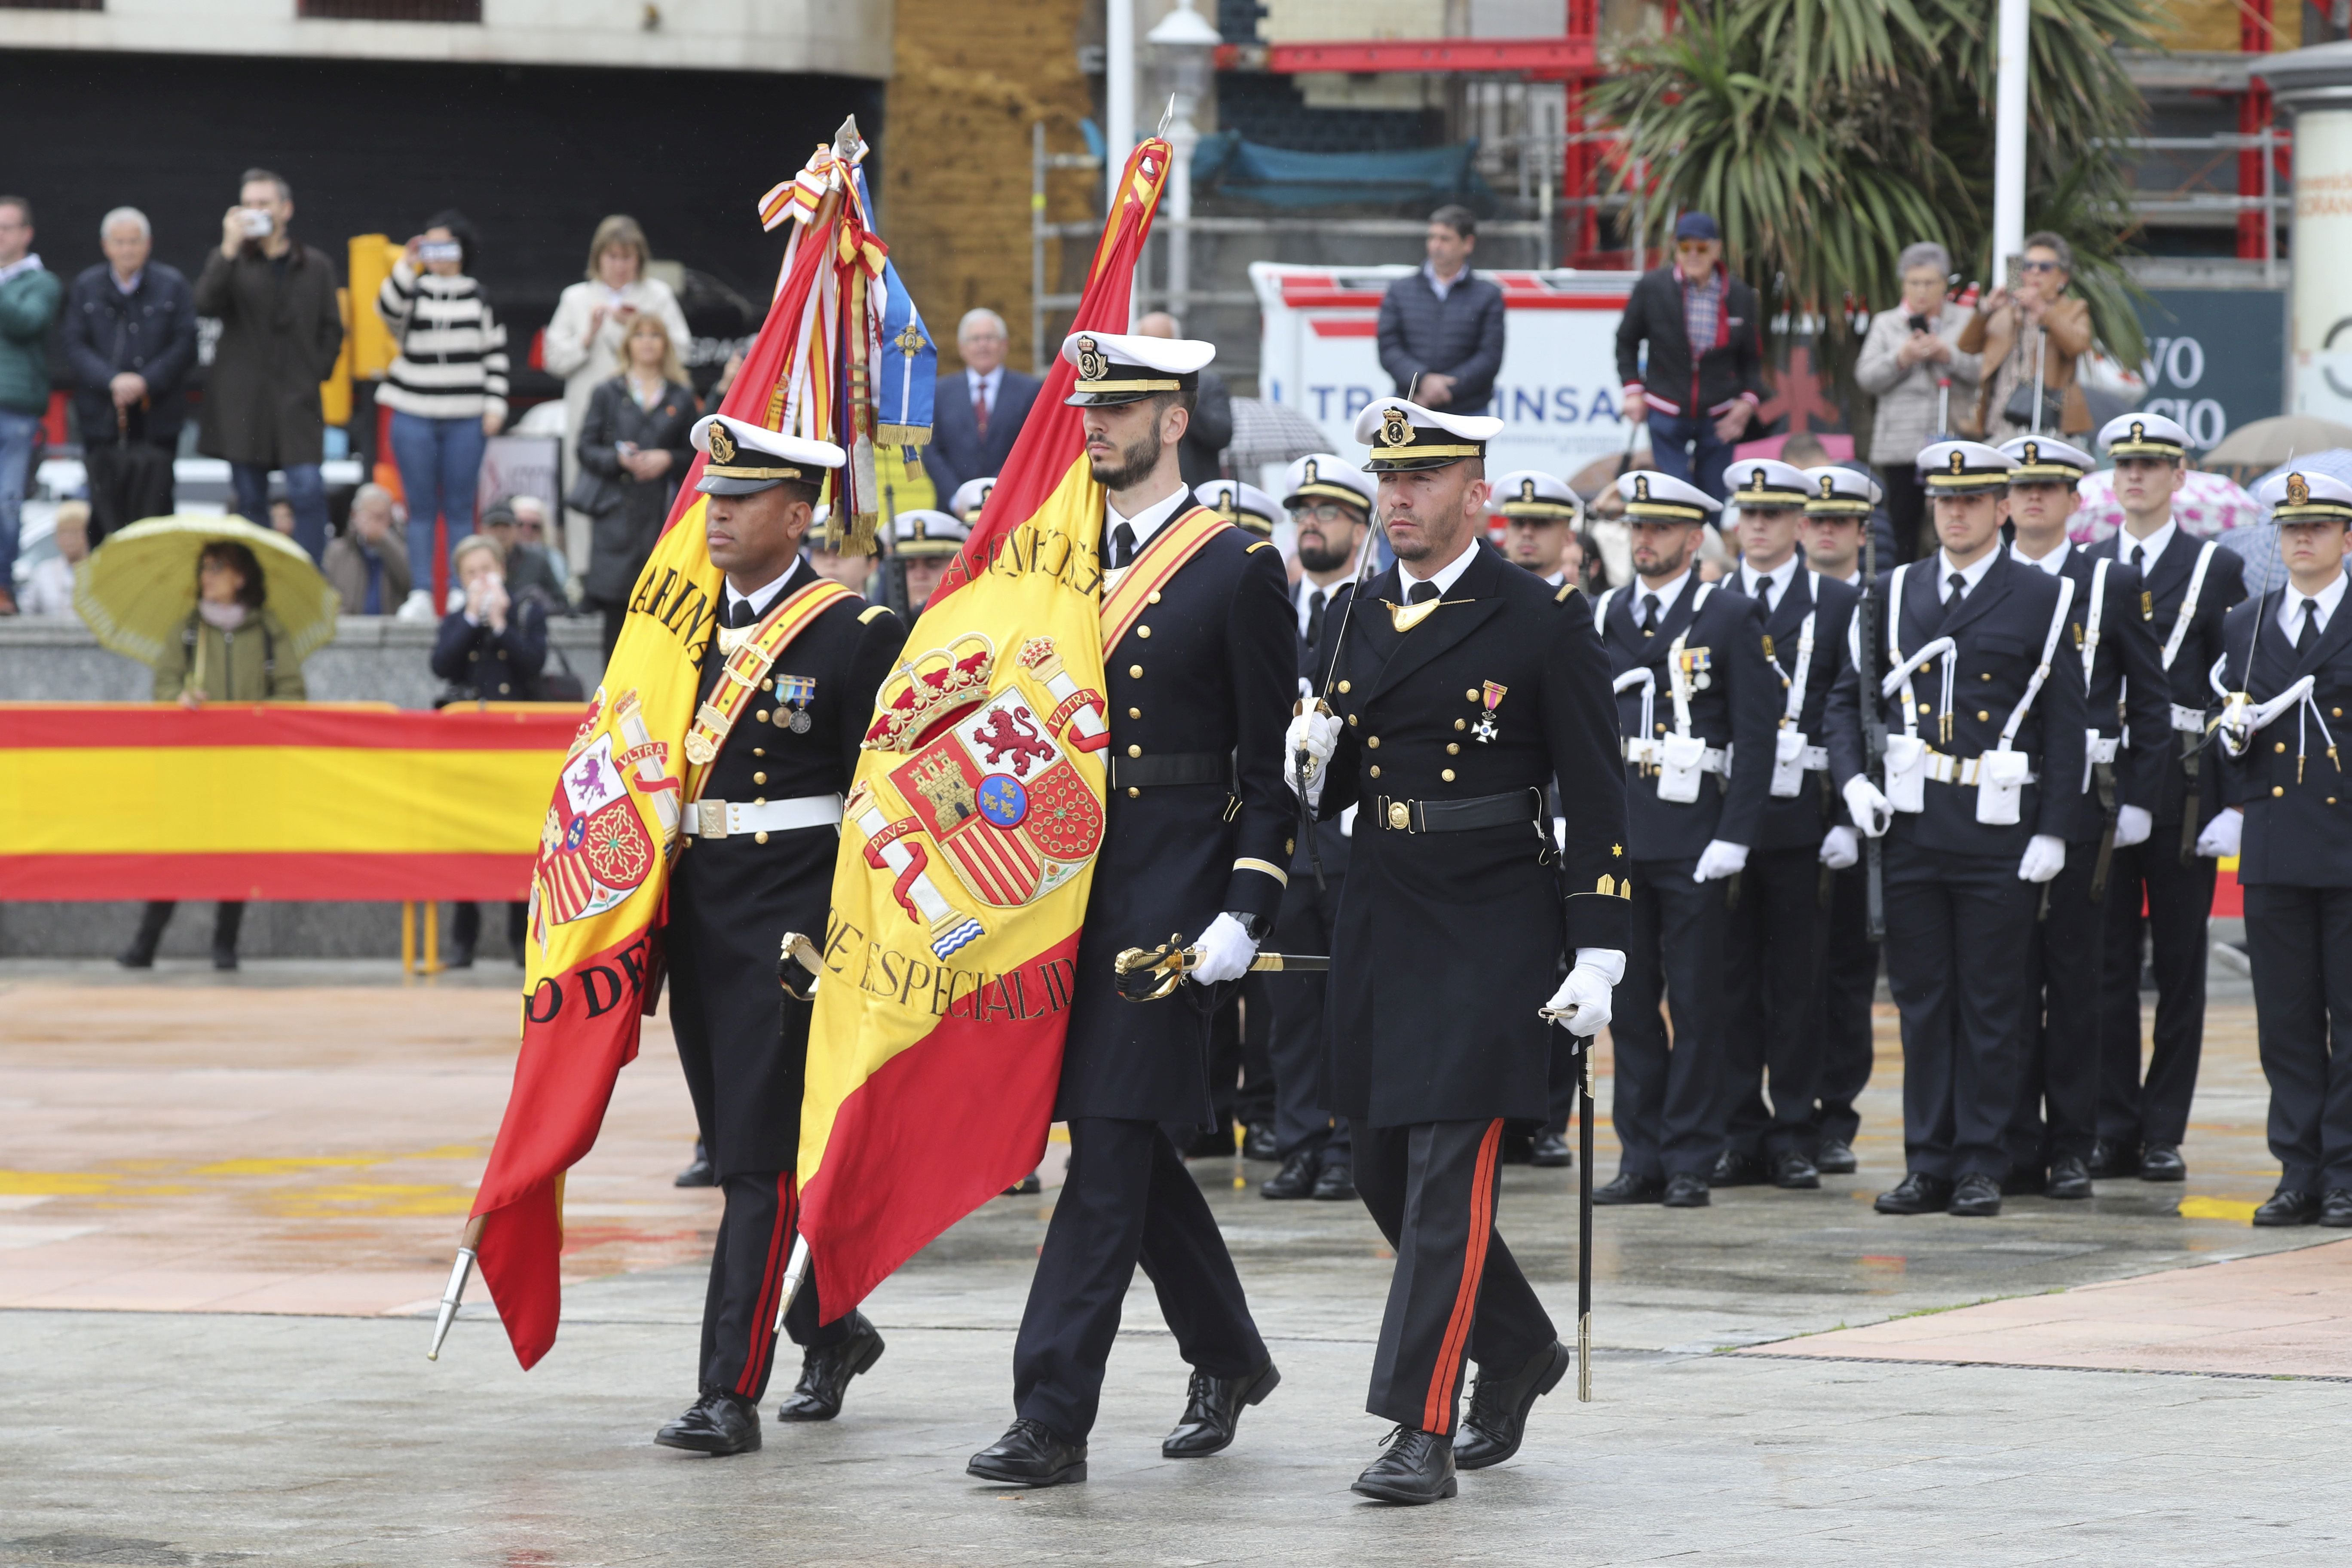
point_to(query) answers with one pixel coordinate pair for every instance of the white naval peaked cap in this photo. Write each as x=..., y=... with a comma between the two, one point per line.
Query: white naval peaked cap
x=1128, y=367
x=1245, y=505
x=2298, y=497
x=970, y=495
x=1958, y=468
x=1531, y=494
x=1662, y=497
x=2143, y=435
x=1765, y=482
x=922, y=531
x=2045, y=459
x=1833, y=491
x=1405, y=436
x=1331, y=477
x=747, y=459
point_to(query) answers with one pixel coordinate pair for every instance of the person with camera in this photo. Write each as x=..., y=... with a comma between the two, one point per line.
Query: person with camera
x=2030, y=337
x=633, y=449
x=490, y=650
x=281, y=327
x=1911, y=361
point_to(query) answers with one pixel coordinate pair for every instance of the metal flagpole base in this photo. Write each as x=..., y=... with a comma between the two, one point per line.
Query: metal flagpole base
x=795, y=1270
x=459, y=1273
x=1584, y=1359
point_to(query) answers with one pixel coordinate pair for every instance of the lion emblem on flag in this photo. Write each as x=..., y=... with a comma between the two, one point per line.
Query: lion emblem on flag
x=997, y=792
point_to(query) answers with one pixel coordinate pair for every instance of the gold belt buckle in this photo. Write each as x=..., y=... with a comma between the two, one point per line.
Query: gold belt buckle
x=1400, y=816
x=714, y=818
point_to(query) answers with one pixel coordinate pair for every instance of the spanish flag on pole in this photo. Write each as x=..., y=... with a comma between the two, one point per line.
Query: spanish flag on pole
x=967, y=850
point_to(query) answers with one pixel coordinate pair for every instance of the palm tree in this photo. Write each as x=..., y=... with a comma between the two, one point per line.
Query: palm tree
x=1824, y=135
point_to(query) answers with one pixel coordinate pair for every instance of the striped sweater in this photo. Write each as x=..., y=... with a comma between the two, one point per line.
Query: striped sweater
x=452, y=352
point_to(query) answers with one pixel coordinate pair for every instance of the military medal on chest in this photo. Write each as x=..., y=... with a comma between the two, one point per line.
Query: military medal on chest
x=793, y=694
x=1483, y=732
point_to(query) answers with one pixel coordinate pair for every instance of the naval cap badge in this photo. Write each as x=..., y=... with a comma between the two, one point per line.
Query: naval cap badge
x=723, y=444
x=1093, y=363
x=1396, y=430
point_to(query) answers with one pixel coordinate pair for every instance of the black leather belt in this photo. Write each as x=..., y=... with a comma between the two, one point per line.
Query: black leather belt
x=1519, y=805
x=1168, y=768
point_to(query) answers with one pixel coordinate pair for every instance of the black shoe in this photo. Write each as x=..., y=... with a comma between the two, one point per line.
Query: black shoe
x=1917, y=1193
x=1257, y=1142
x=718, y=1423
x=1551, y=1152
x=1793, y=1172
x=1295, y=1180
x=1974, y=1197
x=1733, y=1169
x=135, y=957
x=1497, y=1421
x=1028, y=1186
x=698, y=1173
x=1629, y=1188
x=1835, y=1158
x=1684, y=1191
x=141, y=953
x=459, y=958
x=1336, y=1183
x=1029, y=1455
x=2286, y=1206
x=2108, y=1161
x=2336, y=1209
x=2024, y=1182
x=1213, y=1408
x=1519, y=1148
x=2162, y=1163
x=2069, y=1178
x=225, y=959
x=825, y=1372
x=1417, y=1467
x=1211, y=1143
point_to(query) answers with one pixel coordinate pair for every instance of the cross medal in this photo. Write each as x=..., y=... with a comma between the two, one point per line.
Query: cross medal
x=1483, y=732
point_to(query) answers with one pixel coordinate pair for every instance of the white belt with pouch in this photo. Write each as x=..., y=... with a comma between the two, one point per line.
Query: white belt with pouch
x=728, y=818
x=2098, y=748
x=1711, y=759
x=2188, y=721
x=1966, y=771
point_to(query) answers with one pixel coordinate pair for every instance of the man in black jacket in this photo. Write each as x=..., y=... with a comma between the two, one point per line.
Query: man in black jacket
x=1705, y=375
x=1441, y=327
x=130, y=335
x=978, y=410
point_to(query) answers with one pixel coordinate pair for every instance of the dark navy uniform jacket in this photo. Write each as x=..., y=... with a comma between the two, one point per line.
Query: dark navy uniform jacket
x=2128, y=696
x=1798, y=822
x=2298, y=808
x=1735, y=702
x=1314, y=664
x=2162, y=593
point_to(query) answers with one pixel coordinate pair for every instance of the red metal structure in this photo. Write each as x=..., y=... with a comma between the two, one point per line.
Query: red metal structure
x=2256, y=35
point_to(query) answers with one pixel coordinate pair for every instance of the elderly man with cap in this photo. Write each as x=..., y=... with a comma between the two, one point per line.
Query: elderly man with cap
x=1461, y=689
x=2128, y=741
x=2186, y=587
x=1773, y=948
x=1984, y=774
x=969, y=497
x=1539, y=515
x=1839, y=504
x=756, y=862
x=926, y=541
x=1198, y=830
x=1703, y=377
x=2285, y=679
x=1697, y=700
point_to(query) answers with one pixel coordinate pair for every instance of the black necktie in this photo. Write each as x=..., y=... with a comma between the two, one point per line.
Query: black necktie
x=1315, y=602
x=1649, y=614
x=1960, y=585
x=1422, y=592
x=739, y=614
x=1764, y=595
x=2139, y=552
x=1122, y=546
x=2308, y=633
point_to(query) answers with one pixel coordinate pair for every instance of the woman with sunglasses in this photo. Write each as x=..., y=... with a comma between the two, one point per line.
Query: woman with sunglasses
x=2030, y=326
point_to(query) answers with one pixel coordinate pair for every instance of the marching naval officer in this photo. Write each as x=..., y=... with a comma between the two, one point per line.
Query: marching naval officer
x=1463, y=687
x=2187, y=585
x=1197, y=838
x=1697, y=704
x=1984, y=765
x=1774, y=949
x=755, y=862
x=2286, y=679
x=2129, y=740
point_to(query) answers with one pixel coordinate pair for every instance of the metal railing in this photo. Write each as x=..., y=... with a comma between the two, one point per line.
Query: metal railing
x=2183, y=202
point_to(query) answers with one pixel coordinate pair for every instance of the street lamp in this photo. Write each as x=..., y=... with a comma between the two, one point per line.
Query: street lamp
x=1184, y=45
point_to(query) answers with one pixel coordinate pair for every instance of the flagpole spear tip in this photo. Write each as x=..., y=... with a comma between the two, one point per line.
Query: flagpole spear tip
x=1167, y=118
x=795, y=1270
x=459, y=1272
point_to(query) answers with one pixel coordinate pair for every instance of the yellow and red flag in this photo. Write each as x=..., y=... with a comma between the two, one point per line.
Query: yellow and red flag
x=967, y=850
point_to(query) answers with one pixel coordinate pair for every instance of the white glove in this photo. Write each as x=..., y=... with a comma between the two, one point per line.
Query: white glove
x=2044, y=858
x=1318, y=734
x=1839, y=849
x=1870, y=810
x=1225, y=951
x=1719, y=860
x=1587, y=989
x=2222, y=835
x=2133, y=825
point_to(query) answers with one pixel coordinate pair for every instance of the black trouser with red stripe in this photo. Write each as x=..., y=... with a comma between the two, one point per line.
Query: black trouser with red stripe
x=747, y=1275
x=1456, y=1295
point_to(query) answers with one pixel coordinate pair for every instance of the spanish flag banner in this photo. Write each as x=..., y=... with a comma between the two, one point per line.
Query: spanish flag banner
x=967, y=851
x=609, y=833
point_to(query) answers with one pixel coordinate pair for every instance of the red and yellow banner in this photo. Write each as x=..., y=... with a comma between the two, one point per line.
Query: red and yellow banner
x=280, y=801
x=967, y=852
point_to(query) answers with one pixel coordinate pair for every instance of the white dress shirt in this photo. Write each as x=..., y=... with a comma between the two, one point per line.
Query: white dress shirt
x=1446, y=576
x=2323, y=606
x=2149, y=548
x=1146, y=523
x=2054, y=563
x=1667, y=596
x=764, y=599
x=984, y=388
x=1304, y=591
x=1970, y=576
x=1781, y=577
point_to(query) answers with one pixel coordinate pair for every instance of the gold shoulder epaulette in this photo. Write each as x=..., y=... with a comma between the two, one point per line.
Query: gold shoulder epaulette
x=872, y=611
x=1261, y=544
x=1565, y=590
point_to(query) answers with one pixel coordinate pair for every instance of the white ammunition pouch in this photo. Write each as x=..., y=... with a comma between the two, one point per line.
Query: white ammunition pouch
x=1907, y=773
x=2001, y=777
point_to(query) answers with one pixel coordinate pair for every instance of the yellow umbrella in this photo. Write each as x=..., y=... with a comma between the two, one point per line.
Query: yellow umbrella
x=138, y=588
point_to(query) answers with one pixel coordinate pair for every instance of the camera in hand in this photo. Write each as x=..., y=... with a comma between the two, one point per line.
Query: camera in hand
x=1921, y=325
x=433, y=250
x=256, y=223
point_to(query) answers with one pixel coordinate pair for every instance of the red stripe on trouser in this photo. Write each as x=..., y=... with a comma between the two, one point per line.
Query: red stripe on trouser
x=763, y=1320
x=1437, y=1414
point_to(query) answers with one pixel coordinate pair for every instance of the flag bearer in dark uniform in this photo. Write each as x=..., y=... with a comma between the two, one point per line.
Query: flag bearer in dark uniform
x=1778, y=926
x=2128, y=740
x=1984, y=766
x=1330, y=503
x=2187, y=585
x=1697, y=703
x=1463, y=687
x=756, y=862
x=2287, y=676
x=1839, y=504
x=1197, y=836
